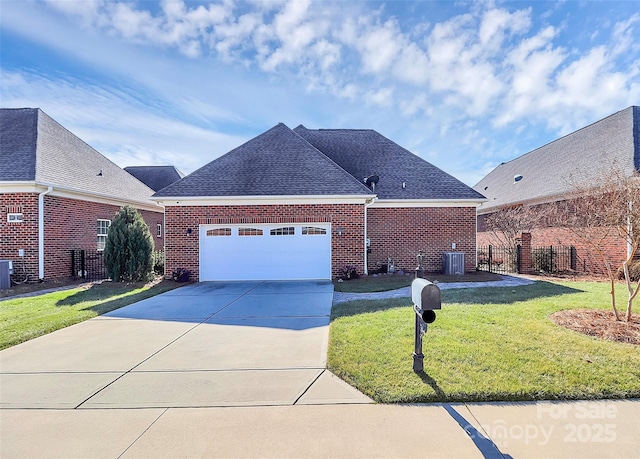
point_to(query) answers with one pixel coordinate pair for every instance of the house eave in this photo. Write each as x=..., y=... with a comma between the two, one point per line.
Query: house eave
x=397, y=203
x=171, y=201
x=64, y=192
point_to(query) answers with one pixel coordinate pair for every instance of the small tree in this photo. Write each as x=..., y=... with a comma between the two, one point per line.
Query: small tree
x=128, y=252
x=507, y=225
x=597, y=213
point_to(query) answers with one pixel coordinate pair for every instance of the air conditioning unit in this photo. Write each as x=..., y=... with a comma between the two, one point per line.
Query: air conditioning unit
x=5, y=274
x=453, y=262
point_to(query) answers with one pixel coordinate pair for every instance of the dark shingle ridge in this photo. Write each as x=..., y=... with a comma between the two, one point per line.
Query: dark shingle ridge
x=550, y=171
x=155, y=177
x=277, y=162
x=402, y=174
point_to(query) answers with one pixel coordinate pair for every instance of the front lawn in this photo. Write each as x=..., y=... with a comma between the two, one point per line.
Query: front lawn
x=486, y=344
x=22, y=319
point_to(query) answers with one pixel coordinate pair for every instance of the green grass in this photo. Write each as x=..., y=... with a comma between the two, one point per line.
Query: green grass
x=22, y=319
x=486, y=344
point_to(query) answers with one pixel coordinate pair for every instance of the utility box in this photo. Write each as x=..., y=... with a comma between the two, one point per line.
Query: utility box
x=5, y=274
x=453, y=262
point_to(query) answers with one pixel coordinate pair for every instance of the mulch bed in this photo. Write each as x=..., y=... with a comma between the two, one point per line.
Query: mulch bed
x=600, y=324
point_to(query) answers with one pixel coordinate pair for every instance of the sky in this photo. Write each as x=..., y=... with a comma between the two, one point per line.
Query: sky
x=464, y=85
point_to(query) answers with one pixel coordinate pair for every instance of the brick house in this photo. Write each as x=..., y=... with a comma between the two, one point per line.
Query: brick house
x=58, y=194
x=544, y=176
x=307, y=204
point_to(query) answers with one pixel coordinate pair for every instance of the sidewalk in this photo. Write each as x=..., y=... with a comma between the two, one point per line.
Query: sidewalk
x=594, y=429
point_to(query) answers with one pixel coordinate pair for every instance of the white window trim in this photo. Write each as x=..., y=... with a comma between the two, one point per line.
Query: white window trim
x=99, y=235
x=18, y=217
x=159, y=230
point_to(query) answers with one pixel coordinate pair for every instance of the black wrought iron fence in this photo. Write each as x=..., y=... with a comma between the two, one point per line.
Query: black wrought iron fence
x=554, y=259
x=496, y=259
x=88, y=265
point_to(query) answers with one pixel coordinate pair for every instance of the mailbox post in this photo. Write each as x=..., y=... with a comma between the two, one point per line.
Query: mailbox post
x=426, y=299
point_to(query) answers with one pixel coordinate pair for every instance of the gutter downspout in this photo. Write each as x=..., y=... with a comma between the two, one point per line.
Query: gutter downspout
x=41, y=232
x=366, y=255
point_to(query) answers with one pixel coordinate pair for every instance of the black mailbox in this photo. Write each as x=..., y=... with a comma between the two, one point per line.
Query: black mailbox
x=426, y=299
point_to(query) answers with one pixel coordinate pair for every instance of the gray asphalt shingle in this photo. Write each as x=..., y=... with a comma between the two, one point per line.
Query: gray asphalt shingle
x=155, y=177
x=549, y=172
x=300, y=162
x=42, y=150
x=365, y=152
x=276, y=163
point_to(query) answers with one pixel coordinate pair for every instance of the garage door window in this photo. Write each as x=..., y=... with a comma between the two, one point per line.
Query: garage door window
x=219, y=232
x=312, y=230
x=286, y=231
x=249, y=232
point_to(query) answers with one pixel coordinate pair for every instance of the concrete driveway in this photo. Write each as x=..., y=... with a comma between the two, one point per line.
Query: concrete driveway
x=203, y=345
x=238, y=370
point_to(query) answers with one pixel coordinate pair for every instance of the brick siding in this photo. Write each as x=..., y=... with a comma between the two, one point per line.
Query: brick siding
x=69, y=224
x=400, y=233
x=24, y=235
x=182, y=249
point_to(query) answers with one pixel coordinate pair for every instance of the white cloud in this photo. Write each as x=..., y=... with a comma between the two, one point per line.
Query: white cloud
x=144, y=136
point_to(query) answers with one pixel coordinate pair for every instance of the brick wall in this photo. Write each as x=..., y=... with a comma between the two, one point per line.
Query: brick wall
x=24, y=235
x=182, y=250
x=69, y=224
x=588, y=260
x=400, y=233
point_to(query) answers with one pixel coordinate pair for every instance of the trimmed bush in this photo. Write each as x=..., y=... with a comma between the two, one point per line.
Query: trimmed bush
x=128, y=252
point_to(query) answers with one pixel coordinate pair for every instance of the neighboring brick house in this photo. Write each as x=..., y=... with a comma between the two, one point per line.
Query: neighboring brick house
x=155, y=177
x=545, y=175
x=307, y=204
x=58, y=194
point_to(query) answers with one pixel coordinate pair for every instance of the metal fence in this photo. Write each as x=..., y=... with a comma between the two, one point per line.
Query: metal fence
x=496, y=259
x=553, y=259
x=88, y=265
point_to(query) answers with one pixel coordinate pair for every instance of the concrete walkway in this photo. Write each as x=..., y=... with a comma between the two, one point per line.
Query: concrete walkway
x=506, y=281
x=238, y=370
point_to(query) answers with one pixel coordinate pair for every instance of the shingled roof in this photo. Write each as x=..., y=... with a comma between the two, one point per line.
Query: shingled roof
x=365, y=152
x=276, y=163
x=300, y=162
x=549, y=172
x=155, y=177
x=35, y=148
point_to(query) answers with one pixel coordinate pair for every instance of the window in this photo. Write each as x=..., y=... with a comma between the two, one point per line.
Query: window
x=249, y=232
x=15, y=217
x=309, y=230
x=103, y=229
x=286, y=231
x=219, y=232
x=159, y=230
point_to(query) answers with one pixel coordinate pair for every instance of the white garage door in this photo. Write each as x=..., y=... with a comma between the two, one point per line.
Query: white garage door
x=265, y=252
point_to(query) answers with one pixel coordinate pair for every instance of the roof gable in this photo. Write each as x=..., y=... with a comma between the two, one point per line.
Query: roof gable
x=47, y=153
x=551, y=171
x=402, y=174
x=276, y=163
x=155, y=177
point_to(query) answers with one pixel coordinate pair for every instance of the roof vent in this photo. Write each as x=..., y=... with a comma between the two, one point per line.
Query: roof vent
x=371, y=181
x=517, y=178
